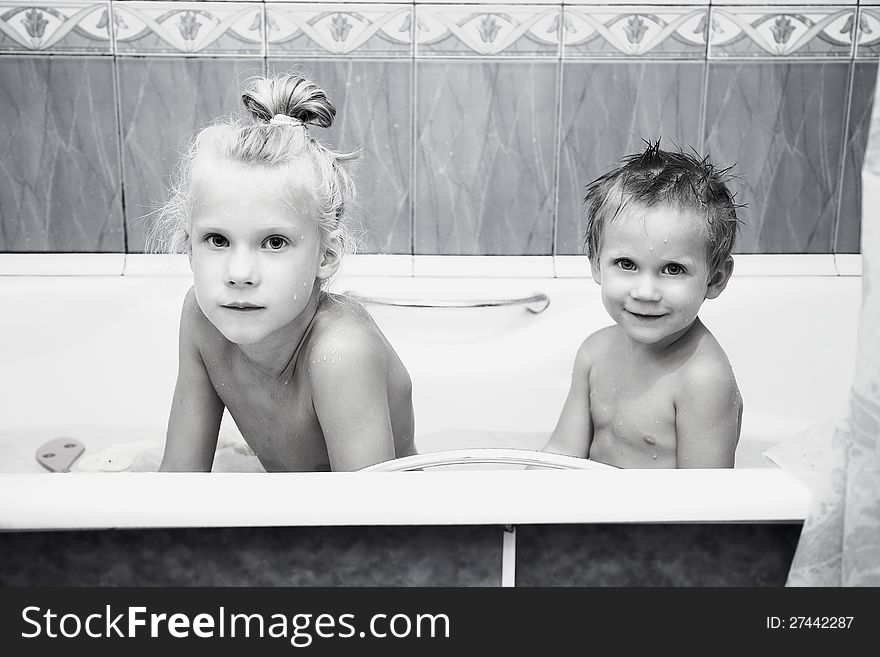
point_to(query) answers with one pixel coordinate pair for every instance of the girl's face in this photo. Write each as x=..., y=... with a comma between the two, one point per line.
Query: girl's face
x=255, y=255
x=653, y=272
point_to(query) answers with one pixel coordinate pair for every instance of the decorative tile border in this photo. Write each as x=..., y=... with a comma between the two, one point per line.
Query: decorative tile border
x=637, y=31
x=55, y=26
x=799, y=31
x=488, y=31
x=351, y=30
x=189, y=28
x=868, y=43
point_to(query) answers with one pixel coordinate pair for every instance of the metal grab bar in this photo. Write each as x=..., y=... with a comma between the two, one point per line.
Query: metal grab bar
x=486, y=456
x=535, y=304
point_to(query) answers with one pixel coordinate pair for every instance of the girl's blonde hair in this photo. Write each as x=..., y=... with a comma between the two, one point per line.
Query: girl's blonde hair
x=274, y=134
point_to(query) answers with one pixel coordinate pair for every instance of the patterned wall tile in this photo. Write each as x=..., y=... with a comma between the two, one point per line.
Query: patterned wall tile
x=491, y=30
x=868, y=45
x=781, y=32
x=651, y=100
x=639, y=31
x=54, y=26
x=164, y=100
x=374, y=112
x=781, y=123
x=351, y=30
x=59, y=185
x=204, y=28
x=485, y=162
x=861, y=102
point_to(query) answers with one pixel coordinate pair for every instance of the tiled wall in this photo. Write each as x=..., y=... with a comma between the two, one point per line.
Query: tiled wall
x=480, y=121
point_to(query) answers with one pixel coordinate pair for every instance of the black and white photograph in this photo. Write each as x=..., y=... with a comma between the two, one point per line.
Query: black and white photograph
x=421, y=294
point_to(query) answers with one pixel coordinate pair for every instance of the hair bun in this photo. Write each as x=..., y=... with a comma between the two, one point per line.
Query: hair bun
x=288, y=95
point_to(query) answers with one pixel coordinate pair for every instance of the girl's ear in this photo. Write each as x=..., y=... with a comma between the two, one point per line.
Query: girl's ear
x=331, y=259
x=718, y=280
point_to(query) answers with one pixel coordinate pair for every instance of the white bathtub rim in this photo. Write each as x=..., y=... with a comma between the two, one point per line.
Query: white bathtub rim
x=142, y=500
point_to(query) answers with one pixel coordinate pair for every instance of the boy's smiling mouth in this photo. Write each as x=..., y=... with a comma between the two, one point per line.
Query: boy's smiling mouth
x=646, y=316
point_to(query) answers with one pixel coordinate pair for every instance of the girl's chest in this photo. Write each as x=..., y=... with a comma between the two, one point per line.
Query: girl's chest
x=275, y=416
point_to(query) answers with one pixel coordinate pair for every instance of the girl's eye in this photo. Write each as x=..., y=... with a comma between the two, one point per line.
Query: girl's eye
x=674, y=269
x=217, y=241
x=276, y=243
x=626, y=264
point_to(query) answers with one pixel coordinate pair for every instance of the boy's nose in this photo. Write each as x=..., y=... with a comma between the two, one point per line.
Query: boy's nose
x=645, y=289
x=241, y=270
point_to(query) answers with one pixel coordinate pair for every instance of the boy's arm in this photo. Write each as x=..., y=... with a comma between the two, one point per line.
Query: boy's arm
x=574, y=429
x=196, y=410
x=351, y=401
x=708, y=417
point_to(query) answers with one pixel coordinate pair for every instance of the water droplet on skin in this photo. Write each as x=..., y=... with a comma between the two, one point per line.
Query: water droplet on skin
x=286, y=382
x=653, y=456
x=294, y=297
x=665, y=240
x=651, y=247
x=305, y=283
x=650, y=440
x=620, y=423
x=213, y=360
x=324, y=358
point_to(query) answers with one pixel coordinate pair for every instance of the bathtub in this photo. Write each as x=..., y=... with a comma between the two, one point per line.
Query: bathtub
x=89, y=353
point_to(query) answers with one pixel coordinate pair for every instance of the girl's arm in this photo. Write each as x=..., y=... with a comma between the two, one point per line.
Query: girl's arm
x=196, y=410
x=574, y=429
x=350, y=395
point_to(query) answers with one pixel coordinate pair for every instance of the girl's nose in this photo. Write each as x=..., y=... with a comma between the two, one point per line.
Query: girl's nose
x=645, y=289
x=241, y=270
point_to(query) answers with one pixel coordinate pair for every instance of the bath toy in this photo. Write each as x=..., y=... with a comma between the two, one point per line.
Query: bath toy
x=115, y=458
x=59, y=454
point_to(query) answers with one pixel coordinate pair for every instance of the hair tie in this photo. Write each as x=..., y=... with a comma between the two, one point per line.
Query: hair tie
x=284, y=119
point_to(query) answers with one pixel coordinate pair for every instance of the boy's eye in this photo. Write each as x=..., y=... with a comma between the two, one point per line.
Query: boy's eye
x=674, y=269
x=217, y=241
x=276, y=242
x=626, y=264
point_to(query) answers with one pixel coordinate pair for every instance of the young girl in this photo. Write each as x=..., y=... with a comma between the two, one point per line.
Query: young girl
x=308, y=377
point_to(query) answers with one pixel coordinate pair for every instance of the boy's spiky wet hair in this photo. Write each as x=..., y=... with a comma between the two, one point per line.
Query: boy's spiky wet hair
x=676, y=179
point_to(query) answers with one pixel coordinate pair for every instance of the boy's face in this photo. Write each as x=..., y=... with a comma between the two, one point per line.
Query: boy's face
x=653, y=272
x=255, y=259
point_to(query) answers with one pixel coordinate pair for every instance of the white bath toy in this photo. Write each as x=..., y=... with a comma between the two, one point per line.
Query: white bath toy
x=115, y=458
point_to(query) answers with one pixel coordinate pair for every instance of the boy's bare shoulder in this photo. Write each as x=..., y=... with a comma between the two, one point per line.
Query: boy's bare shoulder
x=707, y=372
x=596, y=346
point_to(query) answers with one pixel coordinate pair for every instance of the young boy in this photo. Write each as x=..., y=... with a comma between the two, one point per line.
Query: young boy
x=655, y=390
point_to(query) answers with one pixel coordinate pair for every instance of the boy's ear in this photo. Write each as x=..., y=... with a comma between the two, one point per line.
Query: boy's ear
x=597, y=273
x=331, y=259
x=718, y=280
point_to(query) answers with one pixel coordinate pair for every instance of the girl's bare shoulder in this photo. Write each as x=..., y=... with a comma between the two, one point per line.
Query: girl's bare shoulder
x=343, y=323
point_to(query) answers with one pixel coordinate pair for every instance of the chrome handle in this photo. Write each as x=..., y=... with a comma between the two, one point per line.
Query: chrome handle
x=535, y=304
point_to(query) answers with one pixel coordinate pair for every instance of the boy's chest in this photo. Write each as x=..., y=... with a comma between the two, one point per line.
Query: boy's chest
x=633, y=408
